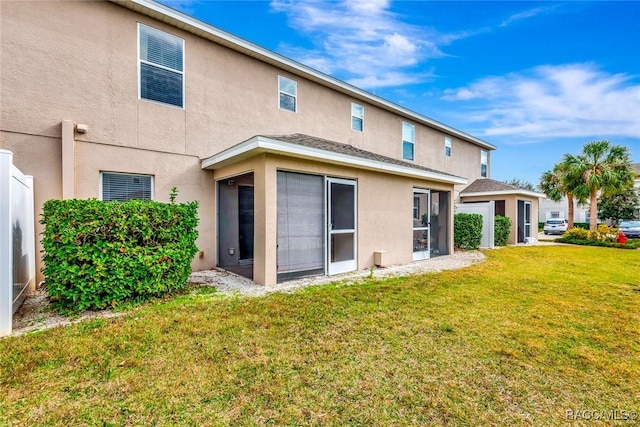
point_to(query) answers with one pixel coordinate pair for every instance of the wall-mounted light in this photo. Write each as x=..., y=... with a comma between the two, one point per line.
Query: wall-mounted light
x=81, y=128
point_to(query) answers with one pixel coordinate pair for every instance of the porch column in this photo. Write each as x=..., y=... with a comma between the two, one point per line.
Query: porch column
x=266, y=220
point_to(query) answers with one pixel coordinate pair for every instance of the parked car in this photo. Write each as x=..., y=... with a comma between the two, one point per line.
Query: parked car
x=630, y=228
x=556, y=226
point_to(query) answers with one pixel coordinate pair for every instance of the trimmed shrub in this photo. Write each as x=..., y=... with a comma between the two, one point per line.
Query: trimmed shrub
x=100, y=254
x=467, y=230
x=501, y=230
x=576, y=233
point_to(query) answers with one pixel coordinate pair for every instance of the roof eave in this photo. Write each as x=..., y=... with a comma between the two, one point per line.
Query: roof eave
x=261, y=144
x=504, y=193
x=185, y=22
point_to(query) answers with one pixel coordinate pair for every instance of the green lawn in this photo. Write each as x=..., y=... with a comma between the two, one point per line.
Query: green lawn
x=520, y=339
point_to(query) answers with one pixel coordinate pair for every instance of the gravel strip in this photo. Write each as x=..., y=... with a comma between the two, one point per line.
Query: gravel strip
x=226, y=282
x=36, y=314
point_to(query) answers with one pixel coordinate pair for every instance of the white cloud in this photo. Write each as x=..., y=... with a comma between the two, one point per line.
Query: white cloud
x=362, y=42
x=526, y=14
x=575, y=100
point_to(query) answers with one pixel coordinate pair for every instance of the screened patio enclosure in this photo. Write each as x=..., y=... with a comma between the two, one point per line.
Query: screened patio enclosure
x=316, y=225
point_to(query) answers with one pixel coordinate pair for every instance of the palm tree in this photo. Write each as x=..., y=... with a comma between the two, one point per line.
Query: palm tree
x=601, y=168
x=558, y=183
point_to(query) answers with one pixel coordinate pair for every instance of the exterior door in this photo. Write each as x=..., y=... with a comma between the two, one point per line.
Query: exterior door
x=421, y=224
x=245, y=222
x=524, y=221
x=341, y=225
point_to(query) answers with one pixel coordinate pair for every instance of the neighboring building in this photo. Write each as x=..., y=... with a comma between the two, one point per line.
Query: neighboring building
x=550, y=209
x=296, y=172
x=519, y=204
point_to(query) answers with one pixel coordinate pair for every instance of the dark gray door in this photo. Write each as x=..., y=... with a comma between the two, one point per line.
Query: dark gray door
x=245, y=219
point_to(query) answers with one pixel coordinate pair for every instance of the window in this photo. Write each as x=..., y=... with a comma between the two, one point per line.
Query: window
x=408, y=138
x=288, y=90
x=555, y=214
x=357, y=117
x=161, y=66
x=447, y=146
x=123, y=187
x=483, y=164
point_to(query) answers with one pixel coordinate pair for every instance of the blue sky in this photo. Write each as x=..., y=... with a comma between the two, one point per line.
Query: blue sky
x=536, y=79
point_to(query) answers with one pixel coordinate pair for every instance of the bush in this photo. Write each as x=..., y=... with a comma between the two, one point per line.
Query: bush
x=604, y=233
x=467, y=230
x=501, y=230
x=100, y=254
x=576, y=233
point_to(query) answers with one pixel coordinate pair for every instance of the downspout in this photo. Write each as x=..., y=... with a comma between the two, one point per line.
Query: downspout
x=68, y=160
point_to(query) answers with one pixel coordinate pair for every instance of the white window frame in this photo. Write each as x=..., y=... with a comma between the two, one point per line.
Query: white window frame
x=355, y=114
x=294, y=95
x=484, y=162
x=101, y=188
x=447, y=146
x=409, y=139
x=143, y=61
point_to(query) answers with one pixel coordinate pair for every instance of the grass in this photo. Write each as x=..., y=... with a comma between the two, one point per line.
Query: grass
x=520, y=339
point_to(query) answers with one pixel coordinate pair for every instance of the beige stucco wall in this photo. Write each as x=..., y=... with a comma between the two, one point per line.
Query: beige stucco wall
x=78, y=61
x=511, y=211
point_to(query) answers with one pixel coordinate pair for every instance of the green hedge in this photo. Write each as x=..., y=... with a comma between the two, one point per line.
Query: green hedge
x=100, y=254
x=467, y=230
x=501, y=230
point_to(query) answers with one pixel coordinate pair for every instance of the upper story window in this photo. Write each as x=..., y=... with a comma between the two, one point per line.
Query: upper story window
x=447, y=146
x=483, y=164
x=357, y=117
x=123, y=187
x=408, y=139
x=161, y=63
x=288, y=90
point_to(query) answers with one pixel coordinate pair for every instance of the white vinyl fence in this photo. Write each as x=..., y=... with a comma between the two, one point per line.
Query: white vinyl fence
x=17, y=239
x=487, y=210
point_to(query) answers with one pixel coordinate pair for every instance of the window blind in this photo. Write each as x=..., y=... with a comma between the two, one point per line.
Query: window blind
x=123, y=187
x=161, y=66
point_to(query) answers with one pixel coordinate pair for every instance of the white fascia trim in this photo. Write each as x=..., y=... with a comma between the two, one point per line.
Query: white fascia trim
x=183, y=21
x=260, y=144
x=504, y=193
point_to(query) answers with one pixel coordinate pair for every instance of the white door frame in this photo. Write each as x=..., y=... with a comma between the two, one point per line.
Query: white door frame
x=345, y=265
x=425, y=254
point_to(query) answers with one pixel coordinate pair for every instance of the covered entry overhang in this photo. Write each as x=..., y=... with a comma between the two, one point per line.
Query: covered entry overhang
x=325, y=151
x=379, y=188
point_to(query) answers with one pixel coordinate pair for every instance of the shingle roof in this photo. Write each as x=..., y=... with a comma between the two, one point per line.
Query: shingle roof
x=341, y=148
x=636, y=167
x=484, y=185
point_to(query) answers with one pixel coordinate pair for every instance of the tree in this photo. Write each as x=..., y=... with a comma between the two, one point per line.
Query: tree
x=619, y=206
x=522, y=184
x=600, y=169
x=558, y=183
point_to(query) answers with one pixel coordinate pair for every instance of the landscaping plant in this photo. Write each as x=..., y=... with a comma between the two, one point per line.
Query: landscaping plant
x=467, y=230
x=99, y=254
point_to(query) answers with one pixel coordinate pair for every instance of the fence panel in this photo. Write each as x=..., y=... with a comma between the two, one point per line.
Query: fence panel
x=17, y=239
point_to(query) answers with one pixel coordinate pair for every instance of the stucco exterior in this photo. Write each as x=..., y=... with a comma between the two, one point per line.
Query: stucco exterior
x=70, y=63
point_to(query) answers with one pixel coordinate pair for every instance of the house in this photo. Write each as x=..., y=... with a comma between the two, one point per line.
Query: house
x=549, y=209
x=296, y=172
x=519, y=204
